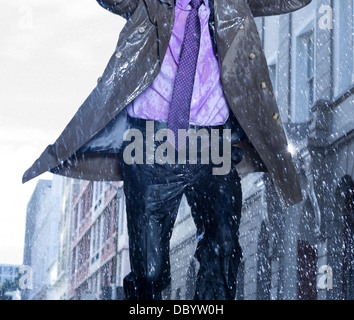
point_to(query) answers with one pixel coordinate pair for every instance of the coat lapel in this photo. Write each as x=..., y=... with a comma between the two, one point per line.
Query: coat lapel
x=162, y=14
x=229, y=16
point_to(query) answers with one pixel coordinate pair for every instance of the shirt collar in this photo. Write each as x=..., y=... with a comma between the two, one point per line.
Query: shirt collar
x=184, y=3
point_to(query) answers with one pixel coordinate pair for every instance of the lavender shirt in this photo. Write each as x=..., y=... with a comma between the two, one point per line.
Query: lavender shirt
x=208, y=106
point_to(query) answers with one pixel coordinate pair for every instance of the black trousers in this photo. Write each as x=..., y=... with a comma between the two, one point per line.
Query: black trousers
x=153, y=195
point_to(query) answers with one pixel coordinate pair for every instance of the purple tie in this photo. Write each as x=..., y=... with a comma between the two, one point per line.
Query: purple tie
x=178, y=116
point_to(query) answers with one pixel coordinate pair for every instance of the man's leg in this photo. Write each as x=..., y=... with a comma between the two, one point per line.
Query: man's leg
x=153, y=193
x=151, y=213
x=216, y=208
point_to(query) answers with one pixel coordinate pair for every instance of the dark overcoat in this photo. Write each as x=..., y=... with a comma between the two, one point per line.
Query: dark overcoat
x=140, y=50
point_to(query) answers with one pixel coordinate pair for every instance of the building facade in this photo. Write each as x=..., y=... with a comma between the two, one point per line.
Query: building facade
x=70, y=191
x=8, y=272
x=99, y=242
x=306, y=251
x=76, y=244
x=41, y=239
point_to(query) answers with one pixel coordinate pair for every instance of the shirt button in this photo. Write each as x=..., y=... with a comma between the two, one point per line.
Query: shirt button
x=275, y=116
x=263, y=85
x=119, y=54
x=142, y=29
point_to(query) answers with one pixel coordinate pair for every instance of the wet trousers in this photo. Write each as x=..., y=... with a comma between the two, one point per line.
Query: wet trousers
x=153, y=195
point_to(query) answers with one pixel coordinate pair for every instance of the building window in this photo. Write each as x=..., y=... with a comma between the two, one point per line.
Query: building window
x=343, y=62
x=98, y=237
x=120, y=213
x=96, y=240
x=107, y=217
x=76, y=217
x=87, y=247
x=97, y=194
x=93, y=246
x=87, y=200
x=114, y=214
x=73, y=263
x=304, y=77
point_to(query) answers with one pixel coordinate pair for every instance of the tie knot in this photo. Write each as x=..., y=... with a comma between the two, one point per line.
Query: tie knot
x=195, y=4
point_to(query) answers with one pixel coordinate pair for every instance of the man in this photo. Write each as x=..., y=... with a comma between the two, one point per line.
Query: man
x=181, y=65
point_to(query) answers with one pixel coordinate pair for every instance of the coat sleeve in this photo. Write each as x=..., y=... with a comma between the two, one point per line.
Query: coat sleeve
x=274, y=7
x=124, y=8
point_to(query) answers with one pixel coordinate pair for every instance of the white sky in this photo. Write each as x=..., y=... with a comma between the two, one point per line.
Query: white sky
x=51, y=54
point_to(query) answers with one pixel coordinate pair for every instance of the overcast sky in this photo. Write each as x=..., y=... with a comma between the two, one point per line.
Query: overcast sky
x=51, y=54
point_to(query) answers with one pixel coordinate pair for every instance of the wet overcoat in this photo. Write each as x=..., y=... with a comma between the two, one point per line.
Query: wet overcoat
x=140, y=50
